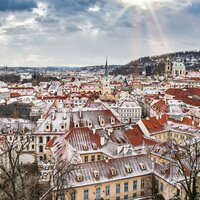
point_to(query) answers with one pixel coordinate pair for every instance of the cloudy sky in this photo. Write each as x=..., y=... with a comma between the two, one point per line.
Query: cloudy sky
x=84, y=32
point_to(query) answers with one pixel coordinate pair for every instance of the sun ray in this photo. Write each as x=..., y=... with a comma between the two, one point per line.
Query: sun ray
x=159, y=28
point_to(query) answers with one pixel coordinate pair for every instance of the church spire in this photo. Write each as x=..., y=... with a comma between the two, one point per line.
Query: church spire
x=106, y=69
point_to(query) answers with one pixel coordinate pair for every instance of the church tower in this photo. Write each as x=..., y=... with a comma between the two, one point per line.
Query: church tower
x=168, y=68
x=106, y=80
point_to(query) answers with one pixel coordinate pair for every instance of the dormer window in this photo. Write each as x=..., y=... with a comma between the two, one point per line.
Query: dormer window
x=89, y=123
x=128, y=169
x=157, y=149
x=113, y=171
x=79, y=177
x=102, y=122
x=76, y=124
x=94, y=146
x=96, y=174
x=143, y=166
x=112, y=119
x=85, y=147
x=47, y=127
x=62, y=126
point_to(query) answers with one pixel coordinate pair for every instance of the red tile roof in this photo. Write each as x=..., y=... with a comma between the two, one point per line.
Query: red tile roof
x=186, y=95
x=136, y=137
x=160, y=106
x=157, y=123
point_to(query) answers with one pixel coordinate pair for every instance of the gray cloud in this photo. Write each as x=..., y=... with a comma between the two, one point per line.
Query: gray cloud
x=83, y=32
x=17, y=5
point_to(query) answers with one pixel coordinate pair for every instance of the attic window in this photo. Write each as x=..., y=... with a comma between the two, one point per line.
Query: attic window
x=113, y=171
x=143, y=166
x=128, y=169
x=85, y=147
x=157, y=149
x=62, y=126
x=94, y=146
x=112, y=119
x=79, y=177
x=96, y=174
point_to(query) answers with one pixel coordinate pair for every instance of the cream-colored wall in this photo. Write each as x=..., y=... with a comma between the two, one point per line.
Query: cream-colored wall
x=102, y=156
x=159, y=159
x=166, y=136
x=92, y=189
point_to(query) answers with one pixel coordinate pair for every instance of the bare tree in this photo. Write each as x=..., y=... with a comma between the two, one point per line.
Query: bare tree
x=187, y=161
x=17, y=180
x=58, y=181
x=152, y=188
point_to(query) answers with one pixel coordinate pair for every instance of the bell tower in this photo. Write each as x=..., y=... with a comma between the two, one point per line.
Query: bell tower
x=168, y=67
x=106, y=80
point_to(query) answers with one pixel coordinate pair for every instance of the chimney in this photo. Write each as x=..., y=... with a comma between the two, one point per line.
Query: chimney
x=192, y=122
x=64, y=115
x=93, y=131
x=157, y=117
x=102, y=140
x=119, y=148
x=80, y=114
x=53, y=115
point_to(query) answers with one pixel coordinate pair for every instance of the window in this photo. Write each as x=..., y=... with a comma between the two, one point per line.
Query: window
x=98, y=193
x=32, y=138
x=134, y=185
x=40, y=139
x=92, y=158
x=117, y=188
x=32, y=146
x=73, y=196
x=107, y=190
x=40, y=149
x=62, y=195
x=86, y=158
x=117, y=198
x=125, y=197
x=85, y=194
x=142, y=183
x=161, y=187
x=126, y=187
x=99, y=157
